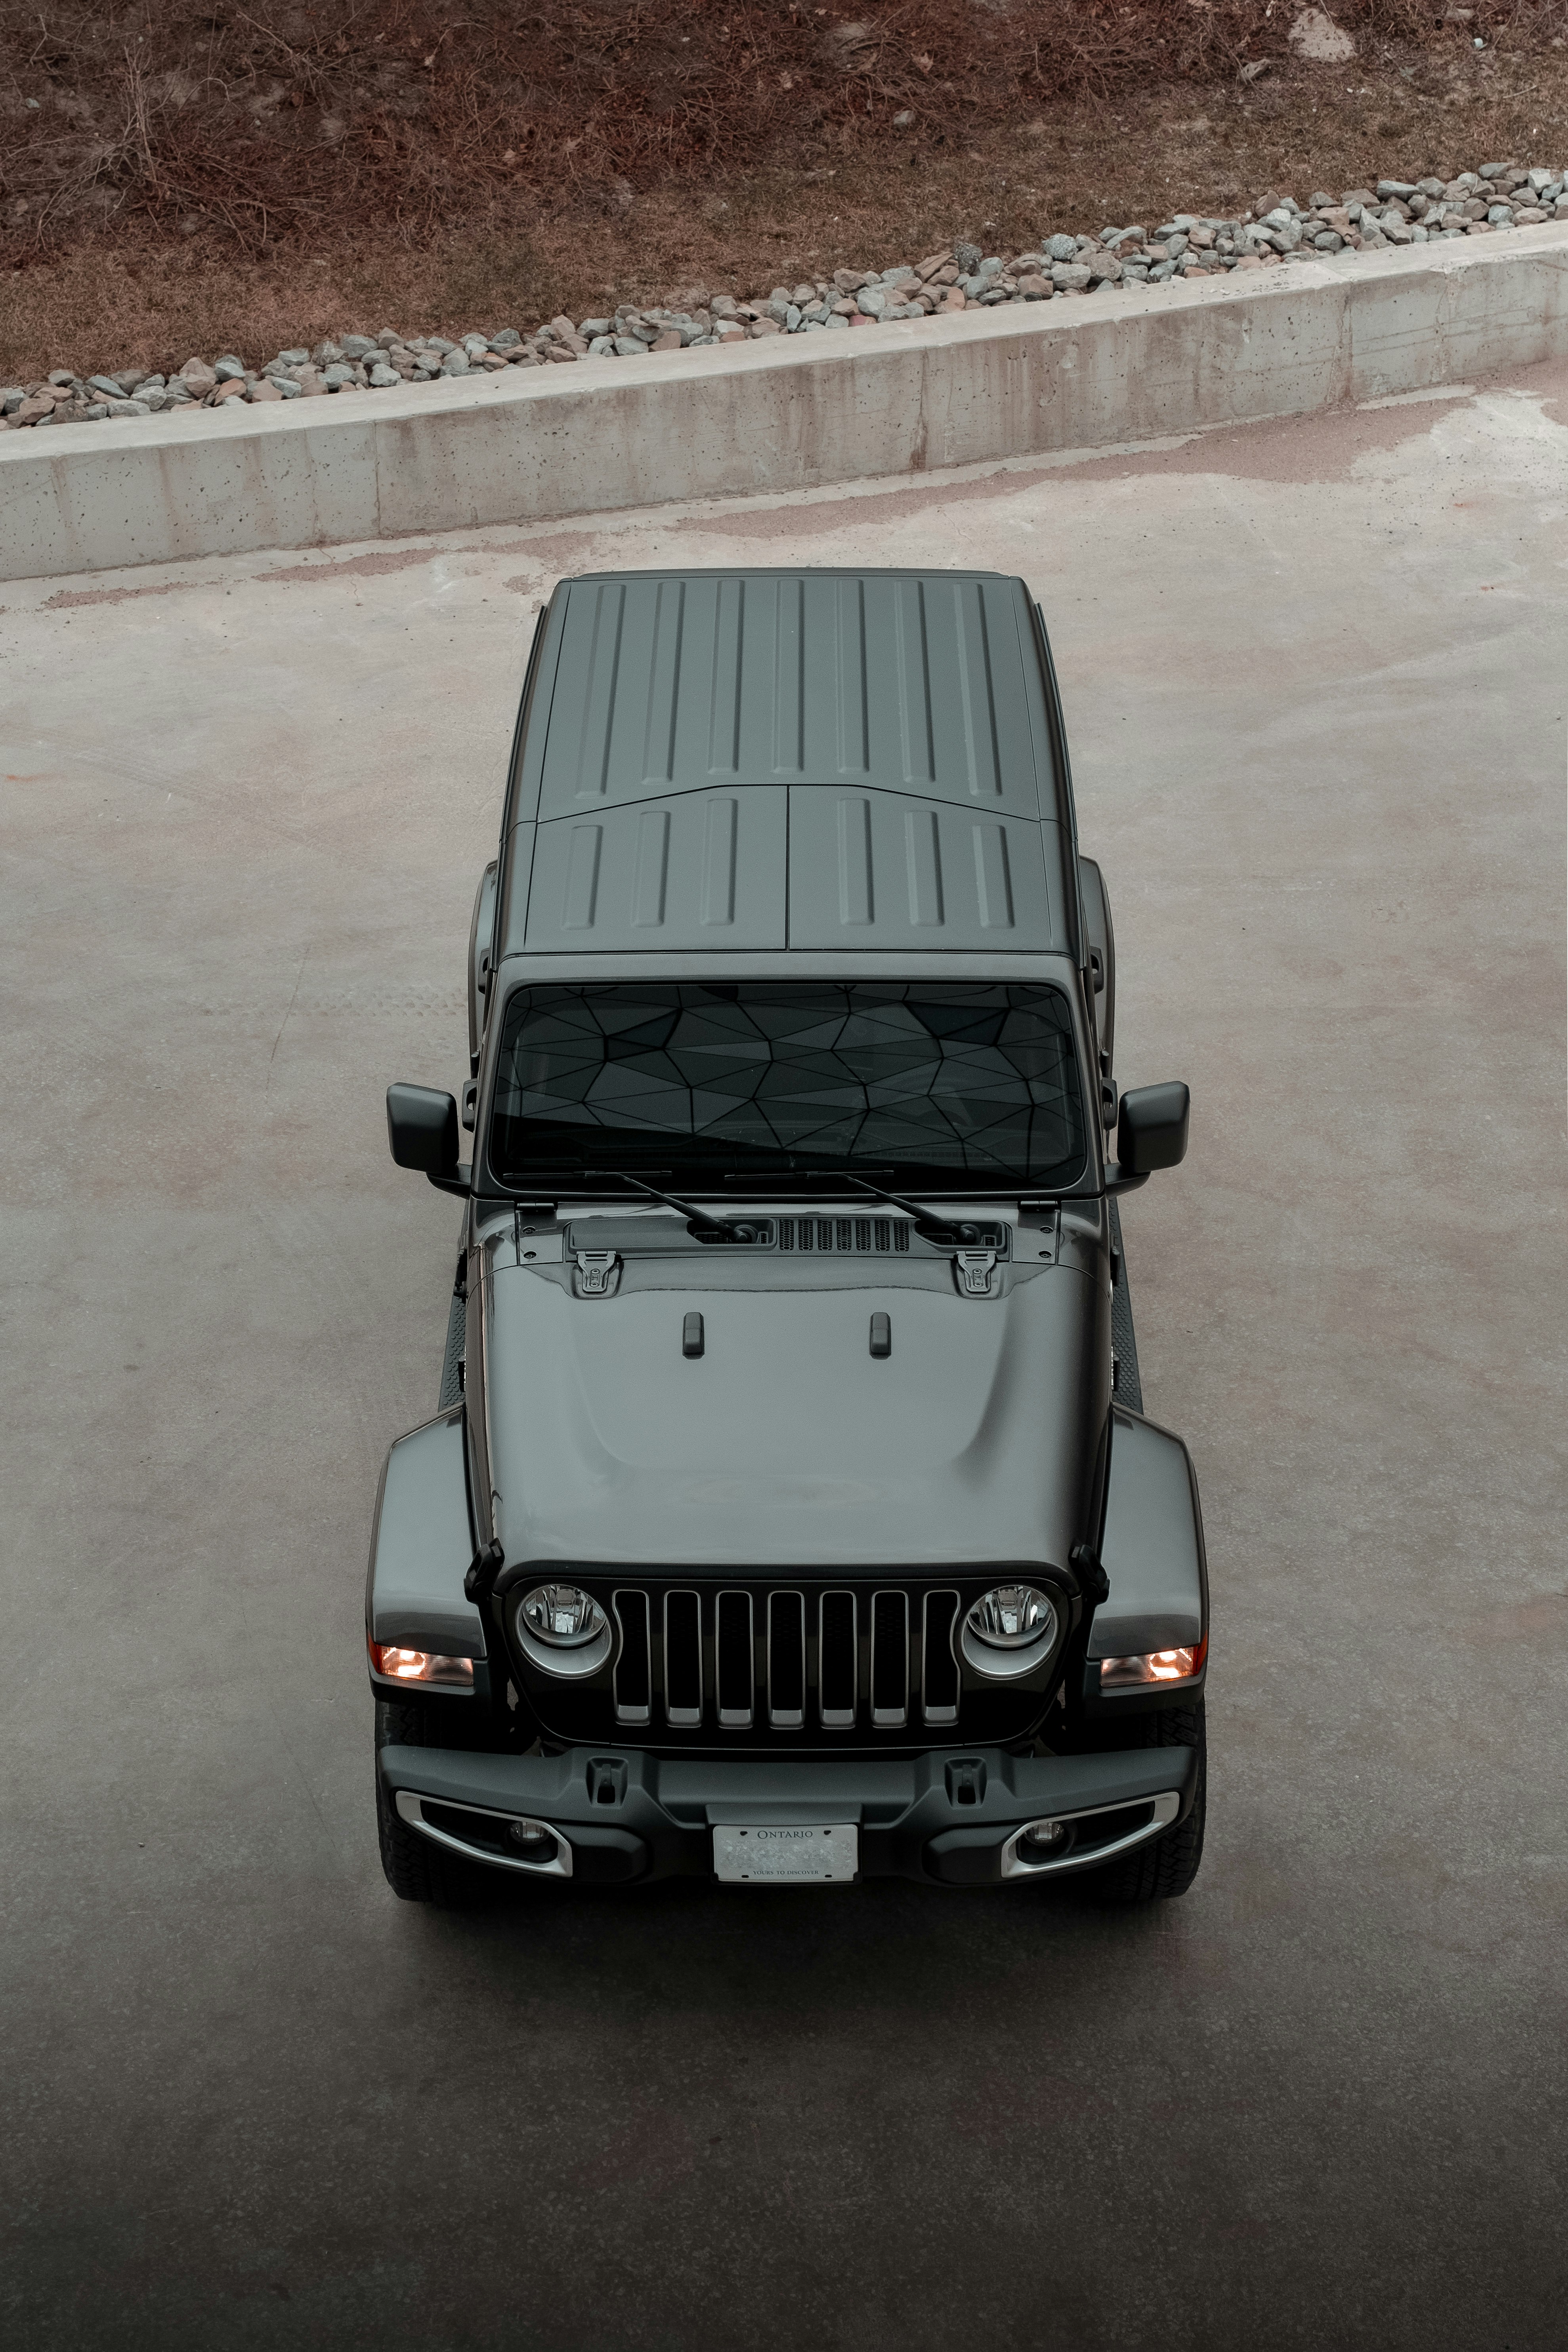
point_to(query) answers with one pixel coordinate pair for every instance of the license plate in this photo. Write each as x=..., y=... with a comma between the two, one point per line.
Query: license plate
x=785, y=1850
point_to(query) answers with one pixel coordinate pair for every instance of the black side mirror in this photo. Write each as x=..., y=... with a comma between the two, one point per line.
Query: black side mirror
x=1152, y=1132
x=422, y=1129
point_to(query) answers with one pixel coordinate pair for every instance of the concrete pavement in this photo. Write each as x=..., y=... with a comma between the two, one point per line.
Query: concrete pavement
x=1315, y=677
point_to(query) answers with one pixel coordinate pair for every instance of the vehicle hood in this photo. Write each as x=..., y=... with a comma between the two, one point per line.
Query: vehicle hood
x=786, y=1444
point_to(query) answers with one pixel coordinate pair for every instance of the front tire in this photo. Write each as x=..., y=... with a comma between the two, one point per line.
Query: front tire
x=1167, y=1865
x=417, y=1870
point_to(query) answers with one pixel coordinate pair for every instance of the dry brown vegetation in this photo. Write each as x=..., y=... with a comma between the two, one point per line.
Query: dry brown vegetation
x=184, y=177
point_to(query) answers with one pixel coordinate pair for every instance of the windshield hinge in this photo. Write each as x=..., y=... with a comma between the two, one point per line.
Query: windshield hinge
x=598, y=1273
x=974, y=1269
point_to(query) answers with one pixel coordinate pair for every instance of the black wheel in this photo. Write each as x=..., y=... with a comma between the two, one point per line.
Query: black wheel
x=1167, y=1865
x=416, y=1868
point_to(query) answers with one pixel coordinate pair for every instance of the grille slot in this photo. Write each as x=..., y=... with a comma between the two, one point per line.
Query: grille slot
x=786, y=1661
x=889, y=1660
x=682, y=1658
x=736, y=1664
x=836, y=1661
x=634, y=1688
x=939, y=1666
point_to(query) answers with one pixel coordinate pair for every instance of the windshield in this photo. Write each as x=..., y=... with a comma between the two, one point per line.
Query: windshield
x=941, y=1081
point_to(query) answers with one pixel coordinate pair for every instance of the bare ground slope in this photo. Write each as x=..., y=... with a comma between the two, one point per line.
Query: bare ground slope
x=180, y=178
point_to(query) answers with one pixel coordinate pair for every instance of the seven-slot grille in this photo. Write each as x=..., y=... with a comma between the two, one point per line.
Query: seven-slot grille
x=781, y=1660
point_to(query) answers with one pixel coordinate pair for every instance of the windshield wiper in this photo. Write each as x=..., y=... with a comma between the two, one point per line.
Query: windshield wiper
x=929, y=1228
x=698, y=1218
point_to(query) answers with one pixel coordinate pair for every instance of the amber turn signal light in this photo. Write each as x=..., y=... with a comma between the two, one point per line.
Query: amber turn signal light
x=1154, y=1666
x=399, y=1666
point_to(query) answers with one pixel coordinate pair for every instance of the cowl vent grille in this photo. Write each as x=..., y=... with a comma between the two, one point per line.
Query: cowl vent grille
x=845, y=1236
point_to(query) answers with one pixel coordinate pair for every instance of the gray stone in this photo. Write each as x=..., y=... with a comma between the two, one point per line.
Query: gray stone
x=595, y=329
x=108, y=387
x=126, y=409
x=295, y=358
x=1060, y=248
x=1069, y=276
x=337, y=375
x=871, y=301
x=455, y=363
x=1396, y=187
x=152, y=396
x=967, y=257
x=382, y=378
x=629, y=347
x=358, y=347
x=177, y=392
x=228, y=368
x=327, y=355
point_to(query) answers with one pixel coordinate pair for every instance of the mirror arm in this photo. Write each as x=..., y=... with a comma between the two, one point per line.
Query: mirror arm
x=1121, y=1179
x=461, y=1181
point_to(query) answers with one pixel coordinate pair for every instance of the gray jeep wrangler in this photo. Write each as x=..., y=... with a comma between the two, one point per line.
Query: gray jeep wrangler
x=790, y=1512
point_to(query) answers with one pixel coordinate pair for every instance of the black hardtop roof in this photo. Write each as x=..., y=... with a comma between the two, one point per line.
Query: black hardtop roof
x=891, y=737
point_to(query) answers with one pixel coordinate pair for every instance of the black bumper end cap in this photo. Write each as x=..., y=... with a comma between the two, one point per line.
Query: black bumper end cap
x=604, y=1857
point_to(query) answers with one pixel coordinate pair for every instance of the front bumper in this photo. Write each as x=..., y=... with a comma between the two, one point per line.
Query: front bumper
x=953, y=1817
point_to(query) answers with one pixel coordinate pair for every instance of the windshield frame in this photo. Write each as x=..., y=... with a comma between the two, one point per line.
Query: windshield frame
x=732, y=1183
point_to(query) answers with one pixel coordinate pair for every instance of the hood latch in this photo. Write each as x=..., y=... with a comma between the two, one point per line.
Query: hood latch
x=974, y=1269
x=598, y=1273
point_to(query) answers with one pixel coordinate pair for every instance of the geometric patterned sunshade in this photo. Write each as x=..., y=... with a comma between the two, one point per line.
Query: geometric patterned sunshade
x=949, y=1077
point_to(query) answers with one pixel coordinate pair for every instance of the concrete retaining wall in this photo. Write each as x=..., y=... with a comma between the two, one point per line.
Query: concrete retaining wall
x=780, y=415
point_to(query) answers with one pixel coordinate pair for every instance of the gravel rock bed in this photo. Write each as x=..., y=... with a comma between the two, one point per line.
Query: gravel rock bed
x=1278, y=230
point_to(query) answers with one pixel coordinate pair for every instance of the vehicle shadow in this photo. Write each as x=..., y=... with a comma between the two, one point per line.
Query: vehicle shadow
x=689, y=1948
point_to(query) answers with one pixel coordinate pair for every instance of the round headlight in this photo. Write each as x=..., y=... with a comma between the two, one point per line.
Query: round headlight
x=1013, y=1617
x=1009, y=1632
x=562, y=1614
x=563, y=1629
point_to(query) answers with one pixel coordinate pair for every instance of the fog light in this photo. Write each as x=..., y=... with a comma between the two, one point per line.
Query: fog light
x=399, y=1666
x=1044, y=1837
x=1154, y=1666
x=532, y=1842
